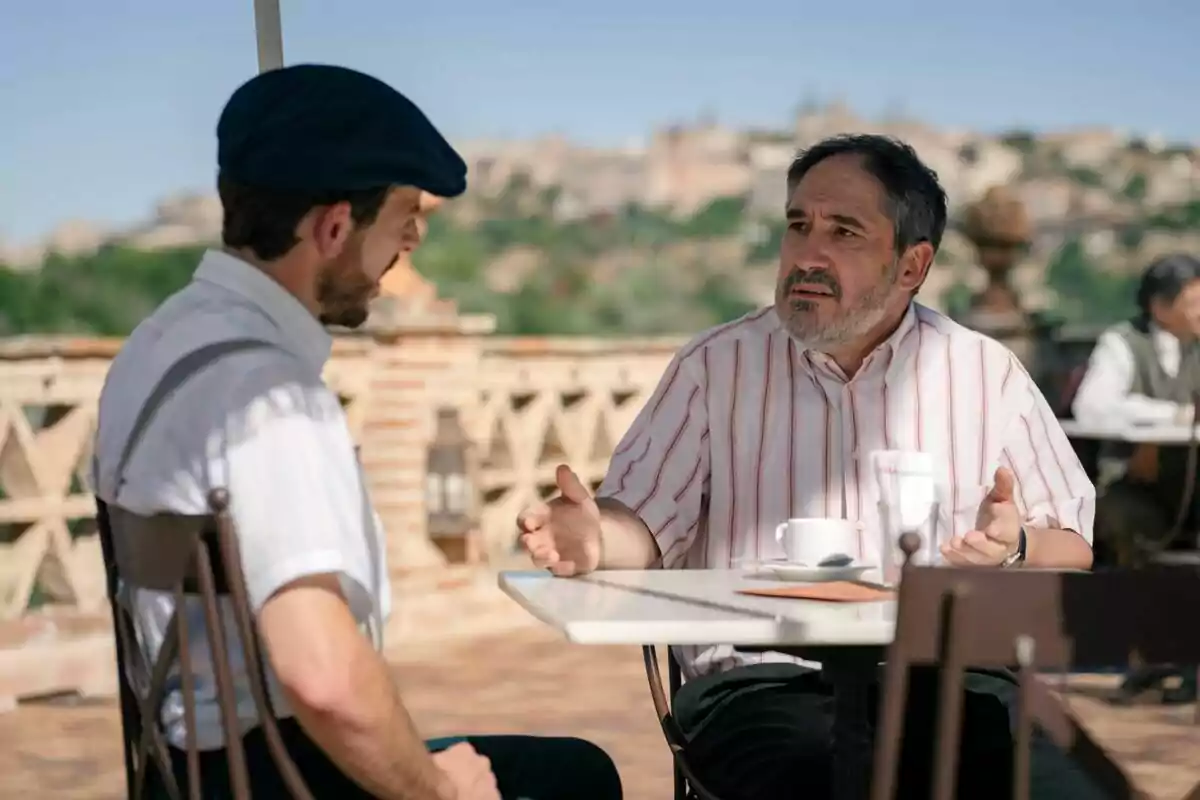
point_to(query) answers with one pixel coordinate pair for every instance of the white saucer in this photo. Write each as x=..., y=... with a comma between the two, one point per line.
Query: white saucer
x=807, y=574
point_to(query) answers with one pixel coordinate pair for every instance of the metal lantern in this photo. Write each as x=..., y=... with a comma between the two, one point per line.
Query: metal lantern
x=449, y=495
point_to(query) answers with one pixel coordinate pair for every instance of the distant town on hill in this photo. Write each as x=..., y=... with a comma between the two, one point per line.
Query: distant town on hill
x=673, y=235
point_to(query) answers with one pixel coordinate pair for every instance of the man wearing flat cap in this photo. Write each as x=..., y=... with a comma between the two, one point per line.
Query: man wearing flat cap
x=325, y=175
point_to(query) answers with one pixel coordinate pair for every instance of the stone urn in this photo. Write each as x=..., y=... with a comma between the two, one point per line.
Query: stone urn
x=998, y=225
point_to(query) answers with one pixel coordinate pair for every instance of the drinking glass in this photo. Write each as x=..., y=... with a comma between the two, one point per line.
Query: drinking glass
x=893, y=528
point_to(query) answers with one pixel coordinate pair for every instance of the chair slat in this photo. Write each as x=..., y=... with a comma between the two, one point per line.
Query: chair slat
x=191, y=557
x=155, y=552
x=1076, y=618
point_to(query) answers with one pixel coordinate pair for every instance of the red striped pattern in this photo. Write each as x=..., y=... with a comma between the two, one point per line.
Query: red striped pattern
x=746, y=430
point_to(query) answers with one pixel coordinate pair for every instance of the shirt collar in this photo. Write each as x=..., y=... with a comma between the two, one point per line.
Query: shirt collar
x=302, y=332
x=1163, y=337
x=885, y=354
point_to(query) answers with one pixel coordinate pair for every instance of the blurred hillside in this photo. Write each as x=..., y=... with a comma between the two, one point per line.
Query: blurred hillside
x=673, y=235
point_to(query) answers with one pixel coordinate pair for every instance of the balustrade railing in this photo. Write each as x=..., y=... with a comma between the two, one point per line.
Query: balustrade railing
x=532, y=405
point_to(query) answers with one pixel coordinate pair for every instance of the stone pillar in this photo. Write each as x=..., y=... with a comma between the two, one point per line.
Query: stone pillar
x=424, y=356
x=998, y=226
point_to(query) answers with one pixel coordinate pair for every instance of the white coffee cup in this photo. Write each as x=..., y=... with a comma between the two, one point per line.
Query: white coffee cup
x=810, y=541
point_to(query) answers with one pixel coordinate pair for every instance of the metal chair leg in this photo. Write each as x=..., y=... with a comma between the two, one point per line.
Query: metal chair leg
x=674, y=681
x=686, y=785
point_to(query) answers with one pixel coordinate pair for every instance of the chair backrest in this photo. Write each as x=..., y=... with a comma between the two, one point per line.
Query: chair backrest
x=1068, y=389
x=186, y=556
x=1027, y=620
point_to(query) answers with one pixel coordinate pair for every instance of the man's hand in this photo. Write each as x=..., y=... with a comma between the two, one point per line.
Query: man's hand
x=564, y=534
x=469, y=773
x=997, y=528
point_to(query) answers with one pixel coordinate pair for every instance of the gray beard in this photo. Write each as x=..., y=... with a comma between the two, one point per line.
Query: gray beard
x=855, y=322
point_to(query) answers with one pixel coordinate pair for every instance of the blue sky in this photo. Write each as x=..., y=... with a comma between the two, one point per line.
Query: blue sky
x=107, y=106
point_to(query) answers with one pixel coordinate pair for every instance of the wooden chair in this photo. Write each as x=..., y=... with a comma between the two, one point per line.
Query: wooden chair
x=188, y=557
x=1175, y=547
x=1188, y=556
x=1030, y=620
x=1068, y=389
x=687, y=786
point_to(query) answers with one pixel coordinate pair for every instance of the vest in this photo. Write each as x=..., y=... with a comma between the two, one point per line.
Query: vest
x=1151, y=380
x=1149, y=377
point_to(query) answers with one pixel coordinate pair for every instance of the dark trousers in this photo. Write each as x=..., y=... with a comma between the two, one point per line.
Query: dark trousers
x=1133, y=517
x=526, y=767
x=1130, y=516
x=765, y=731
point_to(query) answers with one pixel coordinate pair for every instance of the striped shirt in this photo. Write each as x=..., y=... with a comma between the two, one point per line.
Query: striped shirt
x=747, y=429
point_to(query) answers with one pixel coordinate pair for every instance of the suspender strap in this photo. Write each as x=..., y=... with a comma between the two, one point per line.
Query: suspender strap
x=132, y=719
x=172, y=381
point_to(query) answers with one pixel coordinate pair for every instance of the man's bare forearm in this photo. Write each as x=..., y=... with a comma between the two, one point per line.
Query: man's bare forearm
x=369, y=734
x=625, y=541
x=1055, y=548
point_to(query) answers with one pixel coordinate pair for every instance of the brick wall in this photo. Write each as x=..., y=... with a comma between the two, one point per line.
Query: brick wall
x=420, y=363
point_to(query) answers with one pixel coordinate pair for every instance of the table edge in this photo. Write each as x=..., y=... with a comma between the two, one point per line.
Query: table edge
x=595, y=632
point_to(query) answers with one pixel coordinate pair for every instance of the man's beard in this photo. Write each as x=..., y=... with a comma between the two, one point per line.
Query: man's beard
x=344, y=297
x=802, y=324
x=345, y=317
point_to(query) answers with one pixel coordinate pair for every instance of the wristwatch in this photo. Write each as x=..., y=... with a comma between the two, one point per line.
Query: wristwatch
x=1018, y=555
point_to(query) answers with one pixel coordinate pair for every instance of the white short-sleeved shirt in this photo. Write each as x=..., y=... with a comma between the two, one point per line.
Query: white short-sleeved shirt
x=261, y=423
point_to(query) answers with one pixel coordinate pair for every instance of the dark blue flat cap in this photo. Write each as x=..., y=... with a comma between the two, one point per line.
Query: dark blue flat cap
x=312, y=127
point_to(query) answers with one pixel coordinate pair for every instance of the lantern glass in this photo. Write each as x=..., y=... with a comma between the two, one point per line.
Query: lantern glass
x=433, y=493
x=455, y=494
x=448, y=489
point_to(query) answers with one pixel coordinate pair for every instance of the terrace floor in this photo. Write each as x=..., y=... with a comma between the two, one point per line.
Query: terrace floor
x=526, y=680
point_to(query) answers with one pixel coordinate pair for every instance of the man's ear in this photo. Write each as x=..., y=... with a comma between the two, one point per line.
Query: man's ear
x=329, y=228
x=914, y=266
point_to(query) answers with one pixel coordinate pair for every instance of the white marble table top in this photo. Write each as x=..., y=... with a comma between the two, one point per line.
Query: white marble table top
x=692, y=607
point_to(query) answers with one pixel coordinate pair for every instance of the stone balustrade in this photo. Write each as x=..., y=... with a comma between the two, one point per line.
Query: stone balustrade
x=527, y=405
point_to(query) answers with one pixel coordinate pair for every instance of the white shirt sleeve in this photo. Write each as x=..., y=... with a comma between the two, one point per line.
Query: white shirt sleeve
x=1104, y=397
x=296, y=495
x=1052, y=488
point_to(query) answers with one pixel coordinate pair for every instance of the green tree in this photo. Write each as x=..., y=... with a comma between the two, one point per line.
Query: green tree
x=107, y=293
x=1022, y=141
x=1085, y=293
x=956, y=299
x=722, y=301
x=1086, y=176
x=1135, y=188
x=1179, y=218
x=767, y=248
x=719, y=218
x=110, y=291
x=1131, y=236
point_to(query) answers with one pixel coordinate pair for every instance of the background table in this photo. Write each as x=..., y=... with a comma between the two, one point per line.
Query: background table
x=1138, y=434
x=700, y=607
